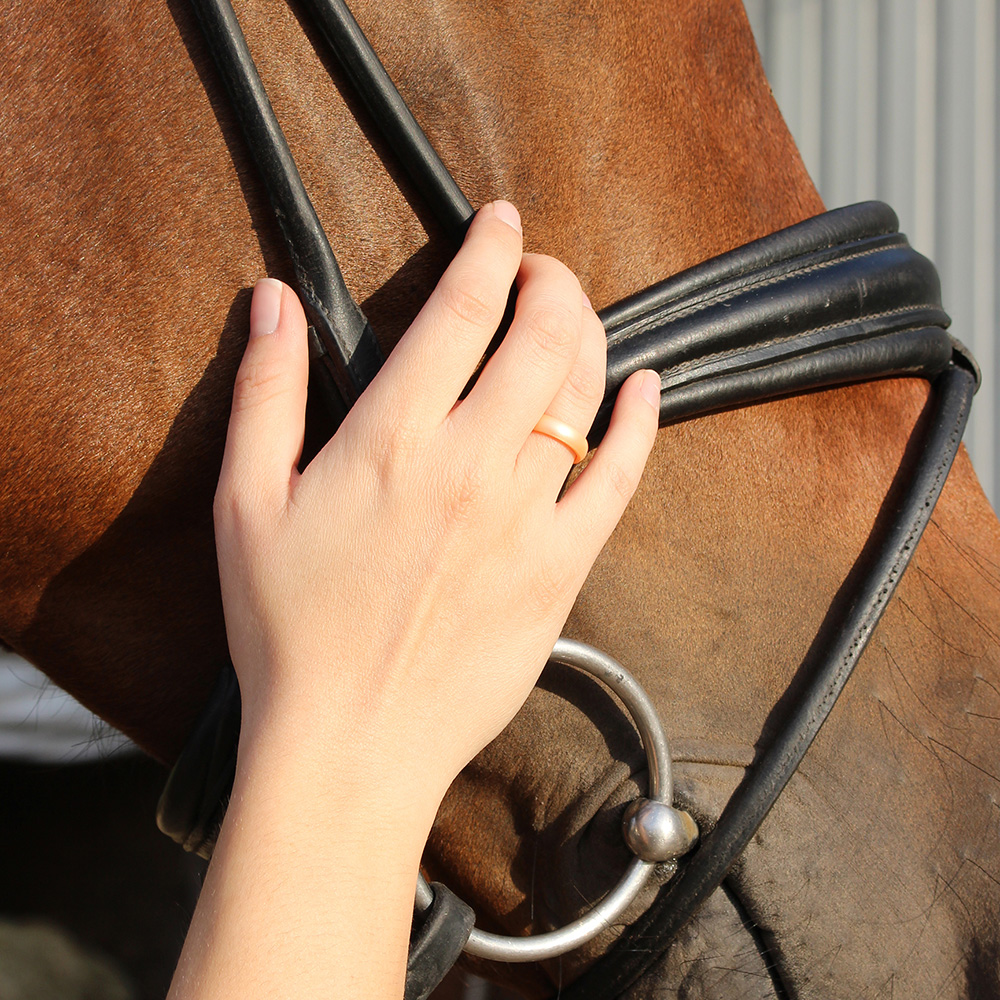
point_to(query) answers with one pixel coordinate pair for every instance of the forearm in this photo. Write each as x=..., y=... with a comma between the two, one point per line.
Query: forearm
x=310, y=890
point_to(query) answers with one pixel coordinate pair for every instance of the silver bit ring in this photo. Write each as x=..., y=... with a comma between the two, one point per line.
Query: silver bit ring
x=652, y=828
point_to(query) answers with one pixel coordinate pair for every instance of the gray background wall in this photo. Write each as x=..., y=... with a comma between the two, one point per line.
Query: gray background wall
x=897, y=100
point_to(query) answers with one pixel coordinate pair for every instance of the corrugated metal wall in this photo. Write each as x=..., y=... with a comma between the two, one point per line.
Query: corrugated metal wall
x=897, y=100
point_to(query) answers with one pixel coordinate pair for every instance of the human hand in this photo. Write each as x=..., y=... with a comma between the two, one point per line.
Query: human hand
x=389, y=608
x=400, y=596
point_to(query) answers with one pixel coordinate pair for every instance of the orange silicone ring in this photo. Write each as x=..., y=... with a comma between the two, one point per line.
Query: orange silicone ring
x=565, y=435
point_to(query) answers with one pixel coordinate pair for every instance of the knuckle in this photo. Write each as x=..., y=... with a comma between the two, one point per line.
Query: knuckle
x=597, y=338
x=585, y=383
x=620, y=480
x=551, y=583
x=222, y=509
x=554, y=331
x=258, y=382
x=465, y=494
x=467, y=307
x=398, y=451
x=234, y=509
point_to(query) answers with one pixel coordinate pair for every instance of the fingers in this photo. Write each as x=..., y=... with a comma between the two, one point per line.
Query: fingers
x=596, y=500
x=521, y=379
x=269, y=401
x=575, y=403
x=450, y=334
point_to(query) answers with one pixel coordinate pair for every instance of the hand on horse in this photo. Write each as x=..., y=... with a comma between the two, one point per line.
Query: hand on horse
x=399, y=597
x=389, y=608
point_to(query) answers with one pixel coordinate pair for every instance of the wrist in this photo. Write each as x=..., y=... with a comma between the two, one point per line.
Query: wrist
x=361, y=768
x=319, y=846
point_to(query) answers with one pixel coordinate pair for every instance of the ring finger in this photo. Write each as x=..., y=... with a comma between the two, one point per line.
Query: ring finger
x=519, y=382
x=574, y=405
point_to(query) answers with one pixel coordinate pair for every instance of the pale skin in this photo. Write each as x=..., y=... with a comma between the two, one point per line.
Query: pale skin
x=390, y=608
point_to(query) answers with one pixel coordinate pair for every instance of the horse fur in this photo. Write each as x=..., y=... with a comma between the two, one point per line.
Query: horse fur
x=636, y=140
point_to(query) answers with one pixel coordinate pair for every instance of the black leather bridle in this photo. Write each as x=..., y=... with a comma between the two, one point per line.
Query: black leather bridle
x=837, y=299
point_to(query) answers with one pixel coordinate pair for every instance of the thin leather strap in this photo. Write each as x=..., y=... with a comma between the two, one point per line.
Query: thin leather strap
x=342, y=342
x=644, y=942
x=393, y=118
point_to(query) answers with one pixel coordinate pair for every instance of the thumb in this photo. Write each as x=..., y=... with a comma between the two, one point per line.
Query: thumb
x=269, y=400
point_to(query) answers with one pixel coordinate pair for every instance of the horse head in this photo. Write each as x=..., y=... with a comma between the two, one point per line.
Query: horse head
x=636, y=142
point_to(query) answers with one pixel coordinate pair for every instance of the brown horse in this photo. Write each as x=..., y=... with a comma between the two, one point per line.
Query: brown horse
x=637, y=139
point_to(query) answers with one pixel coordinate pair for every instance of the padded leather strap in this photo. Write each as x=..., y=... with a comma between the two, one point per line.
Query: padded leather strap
x=835, y=299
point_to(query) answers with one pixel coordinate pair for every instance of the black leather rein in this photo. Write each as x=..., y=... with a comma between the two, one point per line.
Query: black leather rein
x=837, y=299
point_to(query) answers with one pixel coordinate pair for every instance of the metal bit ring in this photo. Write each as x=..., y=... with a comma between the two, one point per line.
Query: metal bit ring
x=504, y=948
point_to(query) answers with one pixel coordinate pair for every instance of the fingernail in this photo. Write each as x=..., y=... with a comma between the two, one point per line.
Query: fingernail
x=649, y=389
x=506, y=212
x=586, y=301
x=265, y=307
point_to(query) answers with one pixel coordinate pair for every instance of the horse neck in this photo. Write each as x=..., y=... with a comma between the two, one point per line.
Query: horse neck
x=635, y=143
x=636, y=140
